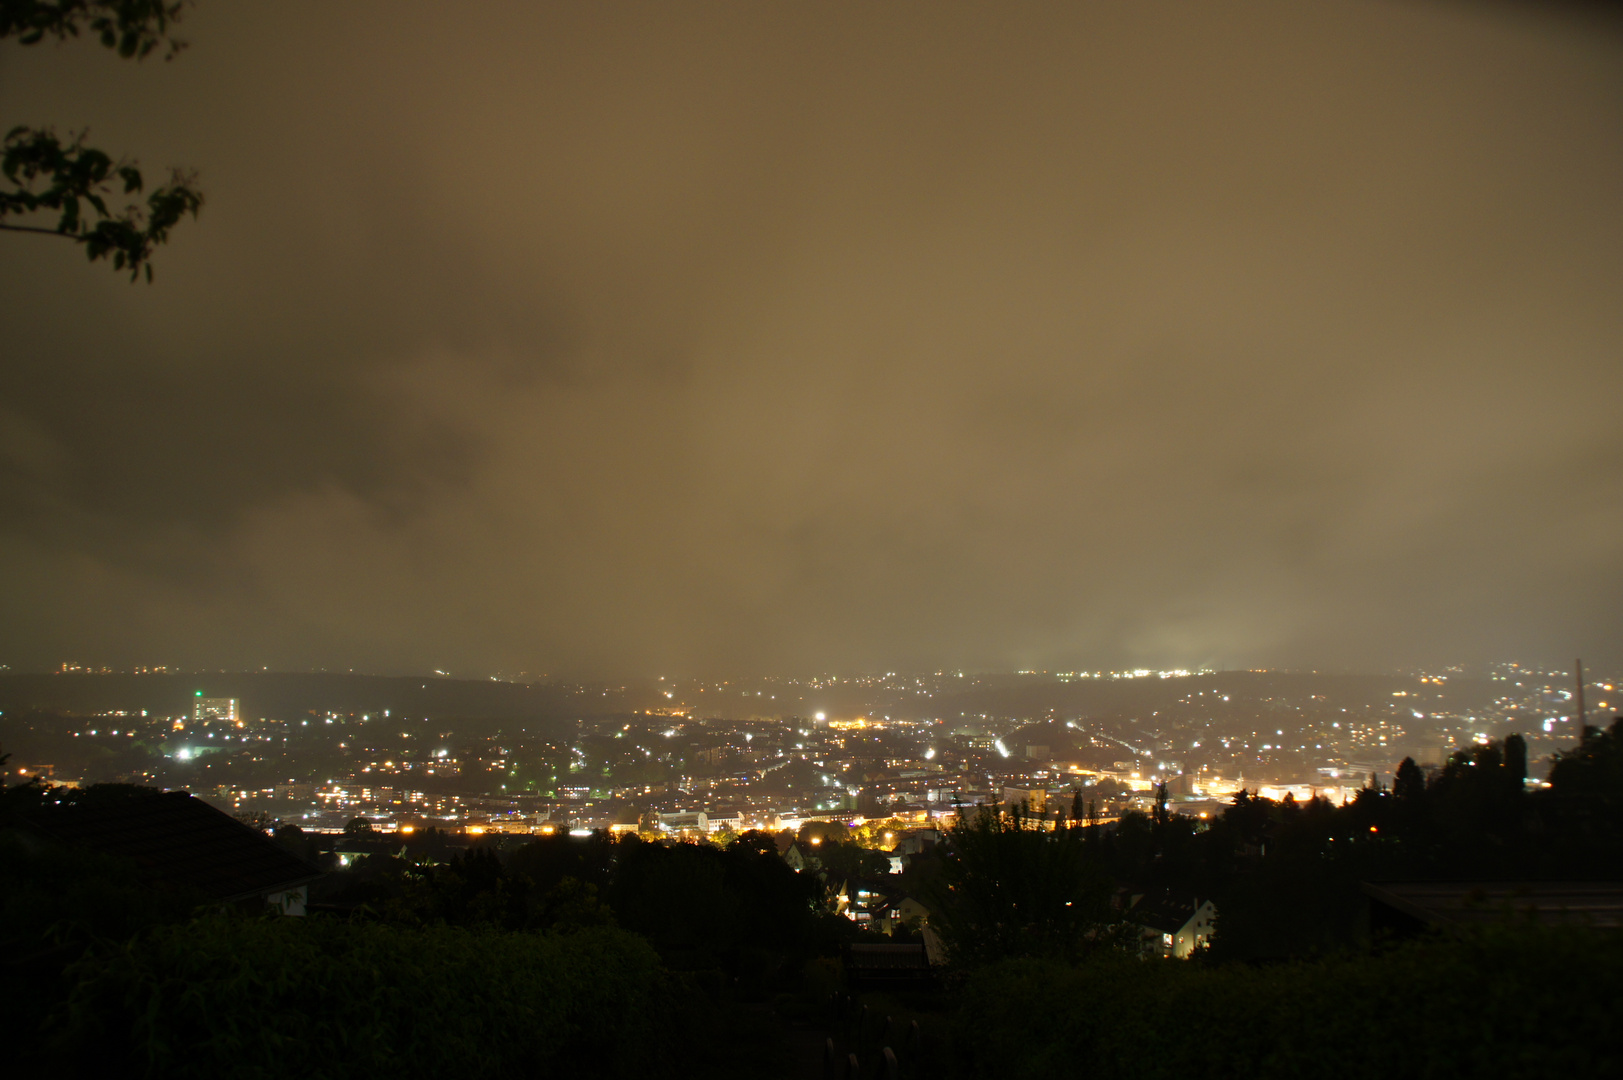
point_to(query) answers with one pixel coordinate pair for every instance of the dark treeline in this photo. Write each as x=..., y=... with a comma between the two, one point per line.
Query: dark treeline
x=1053, y=982
x=1285, y=874
x=626, y=957
x=423, y=958
x=737, y=913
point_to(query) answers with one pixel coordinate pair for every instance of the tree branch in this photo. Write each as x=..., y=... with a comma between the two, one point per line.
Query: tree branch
x=37, y=229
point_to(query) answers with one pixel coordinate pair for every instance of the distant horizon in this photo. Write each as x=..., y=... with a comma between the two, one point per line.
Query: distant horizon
x=1459, y=670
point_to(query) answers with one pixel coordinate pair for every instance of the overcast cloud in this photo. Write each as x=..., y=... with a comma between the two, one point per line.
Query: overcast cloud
x=654, y=338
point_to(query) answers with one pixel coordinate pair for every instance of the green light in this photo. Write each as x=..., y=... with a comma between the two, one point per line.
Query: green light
x=200, y=693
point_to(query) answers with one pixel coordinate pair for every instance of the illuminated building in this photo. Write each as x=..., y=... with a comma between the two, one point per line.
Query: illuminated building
x=214, y=708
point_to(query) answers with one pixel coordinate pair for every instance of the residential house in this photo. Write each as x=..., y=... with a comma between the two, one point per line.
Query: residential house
x=1175, y=925
x=181, y=841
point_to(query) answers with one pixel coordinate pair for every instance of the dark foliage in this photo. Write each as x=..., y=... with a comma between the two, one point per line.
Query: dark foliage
x=275, y=997
x=1011, y=886
x=1593, y=768
x=1286, y=877
x=1506, y=1003
x=66, y=180
x=132, y=28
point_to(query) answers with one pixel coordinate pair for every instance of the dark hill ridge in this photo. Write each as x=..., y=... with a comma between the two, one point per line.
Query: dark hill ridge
x=285, y=696
x=1037, y=696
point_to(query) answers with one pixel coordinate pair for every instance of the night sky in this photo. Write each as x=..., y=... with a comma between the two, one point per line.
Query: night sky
x=588, y=339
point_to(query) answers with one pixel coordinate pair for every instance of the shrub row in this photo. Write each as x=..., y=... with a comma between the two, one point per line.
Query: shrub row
x=251, y=998
x=1507, y=1003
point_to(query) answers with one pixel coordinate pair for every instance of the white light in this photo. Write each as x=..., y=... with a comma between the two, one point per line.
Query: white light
x=183, y=754
x=821, y=716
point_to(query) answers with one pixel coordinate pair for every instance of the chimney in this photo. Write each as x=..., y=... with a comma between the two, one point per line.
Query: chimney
x=1578, y=701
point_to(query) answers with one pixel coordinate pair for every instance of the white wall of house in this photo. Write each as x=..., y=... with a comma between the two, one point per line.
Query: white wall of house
x=290, y=901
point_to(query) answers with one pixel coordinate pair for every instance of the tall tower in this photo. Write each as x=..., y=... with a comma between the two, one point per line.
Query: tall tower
x=1578, y=699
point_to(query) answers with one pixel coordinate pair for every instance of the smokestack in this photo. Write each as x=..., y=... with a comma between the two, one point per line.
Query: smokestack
x=1578, y=701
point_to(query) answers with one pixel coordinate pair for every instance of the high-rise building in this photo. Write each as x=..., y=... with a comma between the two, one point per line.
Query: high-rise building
x=223, y=709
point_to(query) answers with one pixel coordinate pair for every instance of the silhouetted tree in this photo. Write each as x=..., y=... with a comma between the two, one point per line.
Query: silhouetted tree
x=293, y=839
x=1250, y=816
x=1593, y=767
x=65, y=179
x=849, y=860
x=754, y=841
x=1409, y=785
x=1010, y=886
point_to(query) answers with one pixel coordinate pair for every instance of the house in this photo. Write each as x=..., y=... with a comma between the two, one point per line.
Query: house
x=918, y=840
x=868, y=902
x=800, y=858
x=181, y=841
x=886, y=966
x=909, y=912
x=685, y=821
x=913, y=843
x=887, y=909
x=728, y=820
x=1032, y=800
x=1175, y=926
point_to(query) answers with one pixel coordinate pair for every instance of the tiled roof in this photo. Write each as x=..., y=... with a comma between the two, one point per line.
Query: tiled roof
x=1464, y=903
x=182, y=840
x=1165, y=912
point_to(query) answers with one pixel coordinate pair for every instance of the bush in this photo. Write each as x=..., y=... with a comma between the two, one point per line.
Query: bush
x=1507, y=1003
x=239, y=997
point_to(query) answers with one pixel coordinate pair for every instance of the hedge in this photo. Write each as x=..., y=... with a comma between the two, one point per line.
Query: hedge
x=251, y=998
x=1508, y=1003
